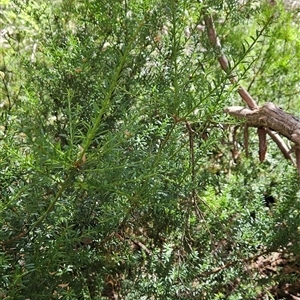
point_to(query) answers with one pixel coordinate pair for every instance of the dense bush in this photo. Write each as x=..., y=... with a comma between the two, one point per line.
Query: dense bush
x=121, y=176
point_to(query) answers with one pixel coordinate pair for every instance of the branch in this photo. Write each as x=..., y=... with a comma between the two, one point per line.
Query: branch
x=267, y=118
x=263, y=146
x=212, y=35
x=281, y=144
x=271, y=116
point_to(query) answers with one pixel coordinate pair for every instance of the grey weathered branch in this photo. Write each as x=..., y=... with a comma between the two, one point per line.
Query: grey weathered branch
x=270, y=116
x=212, y=35
x=281, y=144
x=275, y=121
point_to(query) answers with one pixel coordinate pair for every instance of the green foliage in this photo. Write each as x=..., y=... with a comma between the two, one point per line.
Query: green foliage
x=118, y=168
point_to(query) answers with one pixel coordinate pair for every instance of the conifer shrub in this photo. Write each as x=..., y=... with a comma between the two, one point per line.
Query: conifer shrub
x=121, y=176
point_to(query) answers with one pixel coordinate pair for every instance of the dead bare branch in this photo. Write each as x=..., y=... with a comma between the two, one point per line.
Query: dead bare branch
x=297, y=152
x=212, y=35
x=280, y=144
x=268, y=119
x=262, y=137
x=271, y=116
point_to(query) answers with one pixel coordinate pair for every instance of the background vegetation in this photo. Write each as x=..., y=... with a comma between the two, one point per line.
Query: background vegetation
x=121, y=176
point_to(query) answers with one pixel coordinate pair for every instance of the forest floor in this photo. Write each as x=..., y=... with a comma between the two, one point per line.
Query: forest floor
x=282, y=267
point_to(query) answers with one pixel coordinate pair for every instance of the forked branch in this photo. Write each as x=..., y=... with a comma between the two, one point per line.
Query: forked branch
x=269, y=119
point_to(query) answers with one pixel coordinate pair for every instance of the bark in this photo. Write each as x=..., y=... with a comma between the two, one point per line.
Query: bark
x=271, y=116
x=262, y=136
x=297, y=152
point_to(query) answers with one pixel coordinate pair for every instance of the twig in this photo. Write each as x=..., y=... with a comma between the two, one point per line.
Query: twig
x=192, y=157
x=232, y=263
